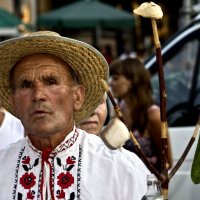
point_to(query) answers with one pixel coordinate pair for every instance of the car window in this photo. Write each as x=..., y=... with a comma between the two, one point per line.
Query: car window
x=179, y=74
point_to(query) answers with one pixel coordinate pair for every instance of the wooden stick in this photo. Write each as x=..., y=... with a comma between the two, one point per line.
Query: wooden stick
x=164, y=120
x=132, y=137
x=187, y=149
x=163, y=96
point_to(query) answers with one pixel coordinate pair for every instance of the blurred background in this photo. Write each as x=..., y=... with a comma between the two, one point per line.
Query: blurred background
x=109, y=25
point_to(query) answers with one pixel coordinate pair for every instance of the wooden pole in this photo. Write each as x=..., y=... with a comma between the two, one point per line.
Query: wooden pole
x=163, y=97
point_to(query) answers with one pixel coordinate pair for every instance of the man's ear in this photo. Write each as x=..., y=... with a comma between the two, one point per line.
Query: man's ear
x=79, y=96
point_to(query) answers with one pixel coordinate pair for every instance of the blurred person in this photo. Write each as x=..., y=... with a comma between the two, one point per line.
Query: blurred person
x=131, y=86
x=50, y=83
x=125, y=55
x=141, y=54
x=95, y=122
x=107, y=53
x=128, y=52
x=11, y=129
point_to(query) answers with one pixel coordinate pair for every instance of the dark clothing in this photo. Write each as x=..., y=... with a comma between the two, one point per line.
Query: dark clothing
x=147, y=147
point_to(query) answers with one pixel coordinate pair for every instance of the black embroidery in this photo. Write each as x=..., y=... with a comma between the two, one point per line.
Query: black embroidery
x=58, y=161
x=72, y=196
x=36, y=162
x=79, y=174
x=69, y=168
x=16, y=173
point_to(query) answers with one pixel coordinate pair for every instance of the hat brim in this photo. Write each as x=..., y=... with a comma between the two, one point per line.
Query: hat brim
x=88, y=63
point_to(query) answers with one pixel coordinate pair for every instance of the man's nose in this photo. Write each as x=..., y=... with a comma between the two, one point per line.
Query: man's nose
x=39, y=92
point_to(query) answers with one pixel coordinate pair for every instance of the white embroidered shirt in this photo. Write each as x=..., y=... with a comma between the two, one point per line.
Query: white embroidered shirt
x=81, y=168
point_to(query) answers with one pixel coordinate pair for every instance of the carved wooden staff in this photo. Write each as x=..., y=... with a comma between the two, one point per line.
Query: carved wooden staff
x=153, y=11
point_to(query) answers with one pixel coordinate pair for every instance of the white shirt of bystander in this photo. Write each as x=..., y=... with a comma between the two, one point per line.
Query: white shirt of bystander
x=11, y=130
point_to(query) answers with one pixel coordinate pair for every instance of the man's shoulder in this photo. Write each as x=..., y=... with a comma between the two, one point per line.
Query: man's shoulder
x=96, y=144
x=91, y=140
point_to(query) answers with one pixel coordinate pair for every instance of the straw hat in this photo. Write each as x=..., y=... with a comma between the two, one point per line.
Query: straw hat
x=87, y=62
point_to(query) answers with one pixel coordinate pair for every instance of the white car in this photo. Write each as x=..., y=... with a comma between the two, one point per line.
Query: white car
x=181, y=62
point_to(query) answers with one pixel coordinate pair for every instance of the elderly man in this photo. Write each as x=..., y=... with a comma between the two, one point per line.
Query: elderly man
x=95, y=122
x=50, y=82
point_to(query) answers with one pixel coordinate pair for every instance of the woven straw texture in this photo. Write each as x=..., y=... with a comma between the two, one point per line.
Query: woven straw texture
x=87, y=62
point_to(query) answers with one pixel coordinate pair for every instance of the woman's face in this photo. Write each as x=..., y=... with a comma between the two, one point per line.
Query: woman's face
x=120, y=86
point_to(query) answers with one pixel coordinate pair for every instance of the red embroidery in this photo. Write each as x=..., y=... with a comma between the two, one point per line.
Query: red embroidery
x=61, y=194
x=30, y=194
x=26, y=160
x=28, y=180
x=71, y=160
x=65, y=180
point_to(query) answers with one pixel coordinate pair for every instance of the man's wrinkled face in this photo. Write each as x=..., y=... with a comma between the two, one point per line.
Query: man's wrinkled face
x=44, y=96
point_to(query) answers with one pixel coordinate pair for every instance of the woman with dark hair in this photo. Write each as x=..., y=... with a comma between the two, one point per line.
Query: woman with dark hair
x=131, y=86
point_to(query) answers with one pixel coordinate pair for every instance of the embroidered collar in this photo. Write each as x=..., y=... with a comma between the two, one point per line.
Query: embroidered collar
x=69, y=140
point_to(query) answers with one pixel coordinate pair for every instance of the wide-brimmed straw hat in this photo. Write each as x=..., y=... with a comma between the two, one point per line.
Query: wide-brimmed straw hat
x=88, y=63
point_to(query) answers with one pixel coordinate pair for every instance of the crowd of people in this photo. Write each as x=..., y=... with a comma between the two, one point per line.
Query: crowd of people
x=53, y=85
x=54, y=108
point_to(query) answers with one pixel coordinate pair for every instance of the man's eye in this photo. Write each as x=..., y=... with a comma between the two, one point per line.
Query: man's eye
x=51, y=82
x=26, y=84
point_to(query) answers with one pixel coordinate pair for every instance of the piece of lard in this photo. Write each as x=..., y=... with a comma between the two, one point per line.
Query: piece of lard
x=115, y=134
x=149, y=10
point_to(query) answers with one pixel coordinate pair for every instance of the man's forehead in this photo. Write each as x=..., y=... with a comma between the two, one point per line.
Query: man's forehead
x=40, y=71
x=40, y=59
x=39, y=63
